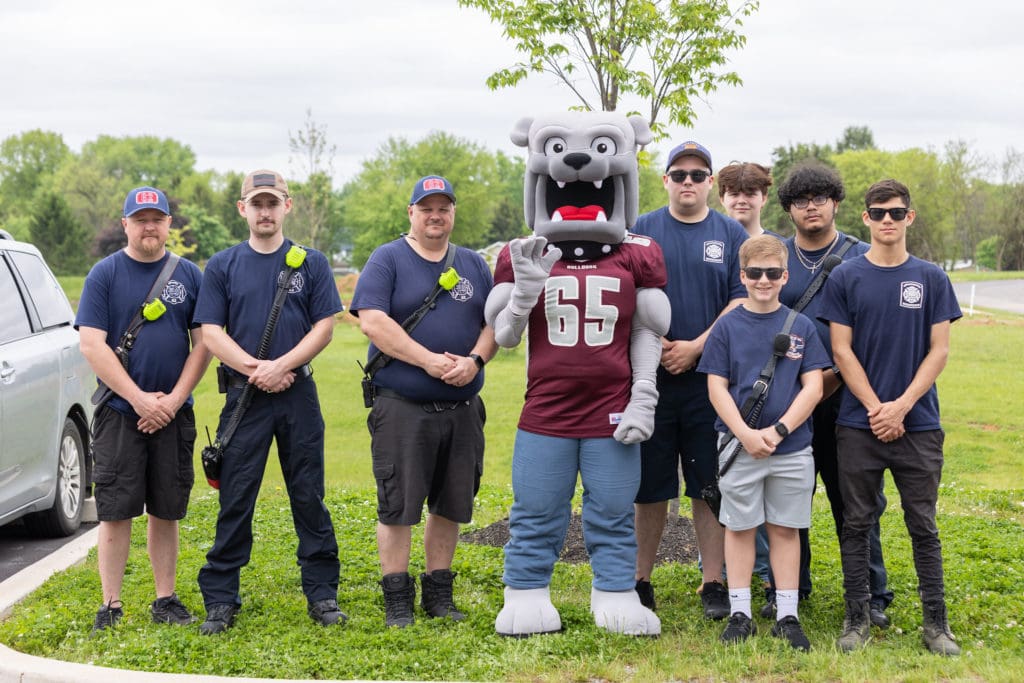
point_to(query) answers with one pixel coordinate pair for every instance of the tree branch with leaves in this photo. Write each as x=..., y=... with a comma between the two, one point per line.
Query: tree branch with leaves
x=666, y=53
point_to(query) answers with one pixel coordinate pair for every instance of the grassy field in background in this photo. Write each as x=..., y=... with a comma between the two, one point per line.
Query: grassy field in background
x=980, y=516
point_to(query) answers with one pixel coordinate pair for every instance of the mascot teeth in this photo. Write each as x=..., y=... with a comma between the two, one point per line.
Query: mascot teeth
x=600, y=216
x=598, y=184
x=556, y=216
x=561, y=184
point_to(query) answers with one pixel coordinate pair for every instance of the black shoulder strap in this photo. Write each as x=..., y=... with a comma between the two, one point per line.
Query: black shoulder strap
x=831, y=261
x=380, y=359
x=261, y=353
x=154, y=291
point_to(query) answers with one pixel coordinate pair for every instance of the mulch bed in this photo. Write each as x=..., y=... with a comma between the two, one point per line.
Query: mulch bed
x=678, y=543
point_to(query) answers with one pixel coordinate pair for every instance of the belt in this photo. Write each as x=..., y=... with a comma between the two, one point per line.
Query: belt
x=236, y=381
x=429, y=406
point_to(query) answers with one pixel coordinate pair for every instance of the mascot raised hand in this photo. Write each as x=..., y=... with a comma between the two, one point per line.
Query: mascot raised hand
x=588, y=293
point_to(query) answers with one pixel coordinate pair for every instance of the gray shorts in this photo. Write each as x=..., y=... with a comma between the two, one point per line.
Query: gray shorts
x=425, y=454
x=776, y=489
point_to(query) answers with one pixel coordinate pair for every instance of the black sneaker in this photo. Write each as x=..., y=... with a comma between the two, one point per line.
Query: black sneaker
x=878, y=616
x=739, y=628
x=715, y=598
x=646, y=592
x=107, y=616
x=789, y=629
x=219, y=618
x=326, y=612
x=169, y=610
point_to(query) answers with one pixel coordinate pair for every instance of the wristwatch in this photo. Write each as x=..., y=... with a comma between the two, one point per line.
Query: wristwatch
x=480, y=362
x=782, y=429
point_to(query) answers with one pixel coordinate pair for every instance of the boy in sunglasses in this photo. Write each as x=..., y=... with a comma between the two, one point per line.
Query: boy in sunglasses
x=771, y=480
x=701, y=249
x=890, y=315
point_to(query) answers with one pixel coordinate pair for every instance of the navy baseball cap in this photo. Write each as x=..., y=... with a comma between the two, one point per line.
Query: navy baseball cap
x=689, y=149
x=431, y=184
x=145, y=198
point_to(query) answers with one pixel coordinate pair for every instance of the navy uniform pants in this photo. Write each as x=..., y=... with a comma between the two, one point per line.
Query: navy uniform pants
x=293, y=419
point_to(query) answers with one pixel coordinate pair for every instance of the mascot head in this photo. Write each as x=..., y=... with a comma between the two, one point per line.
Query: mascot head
x=581, y=177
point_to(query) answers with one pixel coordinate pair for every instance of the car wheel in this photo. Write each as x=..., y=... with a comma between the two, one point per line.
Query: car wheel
x=64, y=518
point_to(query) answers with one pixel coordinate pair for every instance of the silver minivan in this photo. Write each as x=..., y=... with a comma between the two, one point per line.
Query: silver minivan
x=45, y=386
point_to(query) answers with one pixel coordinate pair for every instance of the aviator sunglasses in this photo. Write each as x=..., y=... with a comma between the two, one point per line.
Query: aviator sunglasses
x=755, y=273
x=680, y=176
x=877, y=214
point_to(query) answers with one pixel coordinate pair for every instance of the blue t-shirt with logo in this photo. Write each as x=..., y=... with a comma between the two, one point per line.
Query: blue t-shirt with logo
x=800, y=277
x=114, y=291
x=740, y=344
x=891, y=311
x=239, y=285
x=703, y=264
x=396, y=280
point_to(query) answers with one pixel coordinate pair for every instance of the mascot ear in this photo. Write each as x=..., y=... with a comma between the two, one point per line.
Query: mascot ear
x=521, y=132
x=641, y=130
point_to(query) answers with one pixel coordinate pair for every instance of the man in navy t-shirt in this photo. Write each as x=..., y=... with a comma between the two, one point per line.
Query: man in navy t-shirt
x=144, y=434
x=890, y=314
x=239, y=288
x=427, y=421
x=701, y=250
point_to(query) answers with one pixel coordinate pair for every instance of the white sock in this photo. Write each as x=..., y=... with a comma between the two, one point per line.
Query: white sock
x=785, y=603
x=739, y=601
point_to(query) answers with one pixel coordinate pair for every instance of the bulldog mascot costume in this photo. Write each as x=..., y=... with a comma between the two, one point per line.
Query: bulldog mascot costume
x=588, y=291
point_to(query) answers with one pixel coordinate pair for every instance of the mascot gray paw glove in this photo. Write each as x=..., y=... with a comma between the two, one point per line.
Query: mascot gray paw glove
x=531, y=267
x=638, y=419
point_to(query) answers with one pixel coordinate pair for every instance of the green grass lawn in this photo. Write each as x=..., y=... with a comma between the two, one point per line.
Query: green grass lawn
x=981, y=519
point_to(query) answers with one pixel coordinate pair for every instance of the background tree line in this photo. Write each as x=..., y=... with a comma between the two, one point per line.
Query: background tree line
x=69, y=203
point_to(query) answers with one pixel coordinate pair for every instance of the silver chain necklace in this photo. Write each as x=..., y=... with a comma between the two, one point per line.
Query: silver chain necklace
x=814, y=265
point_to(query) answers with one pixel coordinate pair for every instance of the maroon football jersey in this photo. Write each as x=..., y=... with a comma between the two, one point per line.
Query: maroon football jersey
x=578, y=370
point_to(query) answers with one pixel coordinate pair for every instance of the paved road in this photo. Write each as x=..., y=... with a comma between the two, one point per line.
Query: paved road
x=18, y=549
x=1003, y=295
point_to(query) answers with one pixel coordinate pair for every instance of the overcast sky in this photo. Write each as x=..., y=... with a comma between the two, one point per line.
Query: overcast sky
x=231, y=79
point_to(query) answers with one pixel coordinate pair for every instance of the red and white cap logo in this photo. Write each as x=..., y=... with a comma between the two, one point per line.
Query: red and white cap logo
x=147, y=197
x=433, y=184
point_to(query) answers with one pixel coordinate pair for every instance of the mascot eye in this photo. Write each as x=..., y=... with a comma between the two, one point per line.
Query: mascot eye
x=555, y=145
x=603, y=145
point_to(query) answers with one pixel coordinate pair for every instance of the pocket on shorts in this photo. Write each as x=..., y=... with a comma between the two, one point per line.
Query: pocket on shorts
x=103, y=476
x=384, y=473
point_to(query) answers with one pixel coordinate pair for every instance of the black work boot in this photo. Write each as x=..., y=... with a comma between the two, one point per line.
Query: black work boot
x=437, y=600
x=399, y=599
x=937, y=636
x=856, y=626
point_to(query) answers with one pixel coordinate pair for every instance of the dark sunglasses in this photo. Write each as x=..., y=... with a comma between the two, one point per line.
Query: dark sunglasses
x=680, y=176
x=877, y=214
x=802, y=202
x=755, y=273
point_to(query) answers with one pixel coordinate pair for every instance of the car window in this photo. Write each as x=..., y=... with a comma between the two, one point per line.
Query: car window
x=13, y=318
x=51, y=304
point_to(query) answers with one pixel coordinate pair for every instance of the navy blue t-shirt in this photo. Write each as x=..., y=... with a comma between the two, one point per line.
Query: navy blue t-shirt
x=738, y=347
x=396, y=280
x=892, y=311
x=238, y=292
x=114, y=290
x=703, y=264
x=800, y=277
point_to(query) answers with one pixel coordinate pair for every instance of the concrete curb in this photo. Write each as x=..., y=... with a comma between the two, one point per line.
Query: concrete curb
x=16, y=667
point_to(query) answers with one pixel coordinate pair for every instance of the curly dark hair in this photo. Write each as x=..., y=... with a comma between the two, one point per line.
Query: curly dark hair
x=810, y=178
